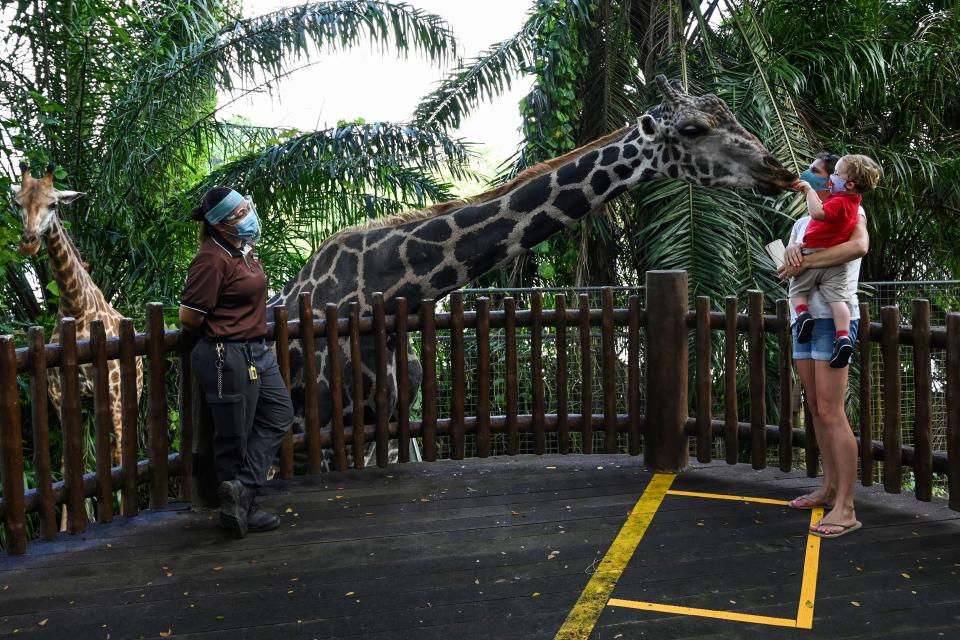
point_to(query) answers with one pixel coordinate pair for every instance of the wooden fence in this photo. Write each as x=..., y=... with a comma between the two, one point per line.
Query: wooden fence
x=665, y=428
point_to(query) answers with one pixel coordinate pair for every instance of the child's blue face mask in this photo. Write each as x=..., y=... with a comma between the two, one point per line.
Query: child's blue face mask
x=817, y=182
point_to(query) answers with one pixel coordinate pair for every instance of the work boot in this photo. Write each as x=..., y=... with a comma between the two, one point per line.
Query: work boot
x=258, y=520
x=235, y=501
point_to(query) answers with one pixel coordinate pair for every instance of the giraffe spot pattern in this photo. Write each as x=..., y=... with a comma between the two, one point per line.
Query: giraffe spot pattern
x=539, y=229
x=485, y=248
x=616, y=191
x=408, y=290
x=436, y=230
x=532, y=195
x=577, y=171
x=346, y=267
x=623, y=171
x=423, y=256
x=600, y=181
x=444, y=279
x=474, y=215
x=610, y=155
x=572, y=203
x=633, y=135
x=630, y=151
x=382, y=264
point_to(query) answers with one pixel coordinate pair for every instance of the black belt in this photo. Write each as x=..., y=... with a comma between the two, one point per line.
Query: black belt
x=214, y=340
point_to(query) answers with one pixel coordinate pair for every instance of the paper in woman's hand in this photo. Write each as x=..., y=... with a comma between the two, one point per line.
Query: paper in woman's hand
x=776, y=252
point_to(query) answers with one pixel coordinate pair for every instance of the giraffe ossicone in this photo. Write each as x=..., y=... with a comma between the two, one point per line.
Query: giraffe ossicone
x=427, y=254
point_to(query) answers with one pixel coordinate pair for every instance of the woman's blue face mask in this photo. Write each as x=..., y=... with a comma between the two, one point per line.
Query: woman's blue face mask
x=249, y=227
x=818, y=183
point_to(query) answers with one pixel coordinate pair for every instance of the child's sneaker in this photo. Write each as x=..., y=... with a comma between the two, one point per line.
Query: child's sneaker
x=842, y=350
x=804, y=327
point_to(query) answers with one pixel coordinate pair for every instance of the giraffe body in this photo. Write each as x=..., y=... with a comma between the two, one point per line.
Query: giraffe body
x=80, y=298
x=428, y=254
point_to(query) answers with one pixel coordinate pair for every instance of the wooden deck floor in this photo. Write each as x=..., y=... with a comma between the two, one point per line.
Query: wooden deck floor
x=501, y=548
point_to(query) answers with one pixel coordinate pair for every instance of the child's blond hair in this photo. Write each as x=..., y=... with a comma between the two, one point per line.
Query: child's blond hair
x=863, y=171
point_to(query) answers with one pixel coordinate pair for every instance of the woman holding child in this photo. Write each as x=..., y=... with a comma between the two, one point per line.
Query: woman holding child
x=824, y=331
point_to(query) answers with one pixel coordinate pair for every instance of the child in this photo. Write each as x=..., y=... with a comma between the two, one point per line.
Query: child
x=833, y=221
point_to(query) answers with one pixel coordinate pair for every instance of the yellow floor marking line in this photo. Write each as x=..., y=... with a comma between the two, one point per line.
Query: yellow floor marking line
x=720, y=496
x=590, y=605
x=808, y=591
x=703, y=613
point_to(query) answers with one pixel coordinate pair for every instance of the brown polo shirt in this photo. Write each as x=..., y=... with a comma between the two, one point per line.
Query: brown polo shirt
x=228, y=286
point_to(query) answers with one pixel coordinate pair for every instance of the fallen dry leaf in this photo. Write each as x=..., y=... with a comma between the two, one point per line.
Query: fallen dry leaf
x=166, y=634
x=855, y=603
x=43, y=622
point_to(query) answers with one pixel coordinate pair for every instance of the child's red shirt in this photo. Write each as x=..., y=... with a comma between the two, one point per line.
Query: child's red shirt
x=840, y=211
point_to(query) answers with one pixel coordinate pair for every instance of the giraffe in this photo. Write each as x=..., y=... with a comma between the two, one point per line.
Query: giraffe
x=427, y=254
x=80, y=298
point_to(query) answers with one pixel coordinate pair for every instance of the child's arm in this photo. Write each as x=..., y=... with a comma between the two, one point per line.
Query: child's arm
x=814, y=206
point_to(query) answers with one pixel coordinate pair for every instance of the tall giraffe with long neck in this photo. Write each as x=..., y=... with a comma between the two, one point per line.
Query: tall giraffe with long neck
x=427, y=254
x=79, y=298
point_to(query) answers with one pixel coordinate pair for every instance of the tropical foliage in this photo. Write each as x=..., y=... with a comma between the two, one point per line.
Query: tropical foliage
x=874, y=77
x=123, y=96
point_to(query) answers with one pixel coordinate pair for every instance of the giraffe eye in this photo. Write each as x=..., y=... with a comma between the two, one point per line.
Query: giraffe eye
x=692, y=130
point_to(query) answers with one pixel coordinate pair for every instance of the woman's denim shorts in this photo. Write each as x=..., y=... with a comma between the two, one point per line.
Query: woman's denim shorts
x=820, y=346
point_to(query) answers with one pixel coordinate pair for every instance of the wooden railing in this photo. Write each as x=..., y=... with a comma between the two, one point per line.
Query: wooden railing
x=664, y=430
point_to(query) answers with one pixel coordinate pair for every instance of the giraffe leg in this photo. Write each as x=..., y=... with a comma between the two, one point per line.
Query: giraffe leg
x=116, y=410
x=53, y=390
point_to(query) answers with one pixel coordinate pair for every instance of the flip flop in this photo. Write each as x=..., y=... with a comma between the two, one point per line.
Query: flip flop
x=813, y=505
x=844, y=529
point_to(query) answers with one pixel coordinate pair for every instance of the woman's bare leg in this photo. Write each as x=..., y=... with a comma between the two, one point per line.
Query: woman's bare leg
x=831, y=395
x=825, y=493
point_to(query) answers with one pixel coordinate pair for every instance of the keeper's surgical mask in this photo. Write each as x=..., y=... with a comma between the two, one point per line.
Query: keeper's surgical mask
x=249, y=226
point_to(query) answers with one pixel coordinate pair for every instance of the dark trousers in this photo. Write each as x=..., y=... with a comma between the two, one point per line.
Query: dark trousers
x=250, y=417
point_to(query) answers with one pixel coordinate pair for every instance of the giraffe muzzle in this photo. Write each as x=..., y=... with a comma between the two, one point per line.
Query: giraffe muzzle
x=29, y=245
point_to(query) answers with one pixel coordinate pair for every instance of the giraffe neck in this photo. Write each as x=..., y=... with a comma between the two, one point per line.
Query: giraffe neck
x=430, y=257
x=79, y=296
x=489, y=234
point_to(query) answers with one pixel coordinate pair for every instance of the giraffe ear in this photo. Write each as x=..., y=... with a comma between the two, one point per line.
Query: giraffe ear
x=648, y=127
x=66, y=197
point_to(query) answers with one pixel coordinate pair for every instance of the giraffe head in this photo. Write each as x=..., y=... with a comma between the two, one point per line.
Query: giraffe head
x=38, y=201
x=700, y=141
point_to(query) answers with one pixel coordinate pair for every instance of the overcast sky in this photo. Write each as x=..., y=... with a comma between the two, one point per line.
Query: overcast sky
x=364, y=84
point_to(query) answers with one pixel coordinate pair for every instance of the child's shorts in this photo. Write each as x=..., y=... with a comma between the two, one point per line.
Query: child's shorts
x=832, y=283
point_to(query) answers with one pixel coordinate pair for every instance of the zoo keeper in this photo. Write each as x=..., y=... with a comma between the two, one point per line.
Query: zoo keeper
x=224, y=301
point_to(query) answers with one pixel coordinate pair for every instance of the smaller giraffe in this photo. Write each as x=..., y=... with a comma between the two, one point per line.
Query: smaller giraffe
x=80, y=298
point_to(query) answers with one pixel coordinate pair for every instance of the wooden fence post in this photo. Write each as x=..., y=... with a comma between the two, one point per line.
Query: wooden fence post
x=159, y=421
x=11, y=450
x=666, y=375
